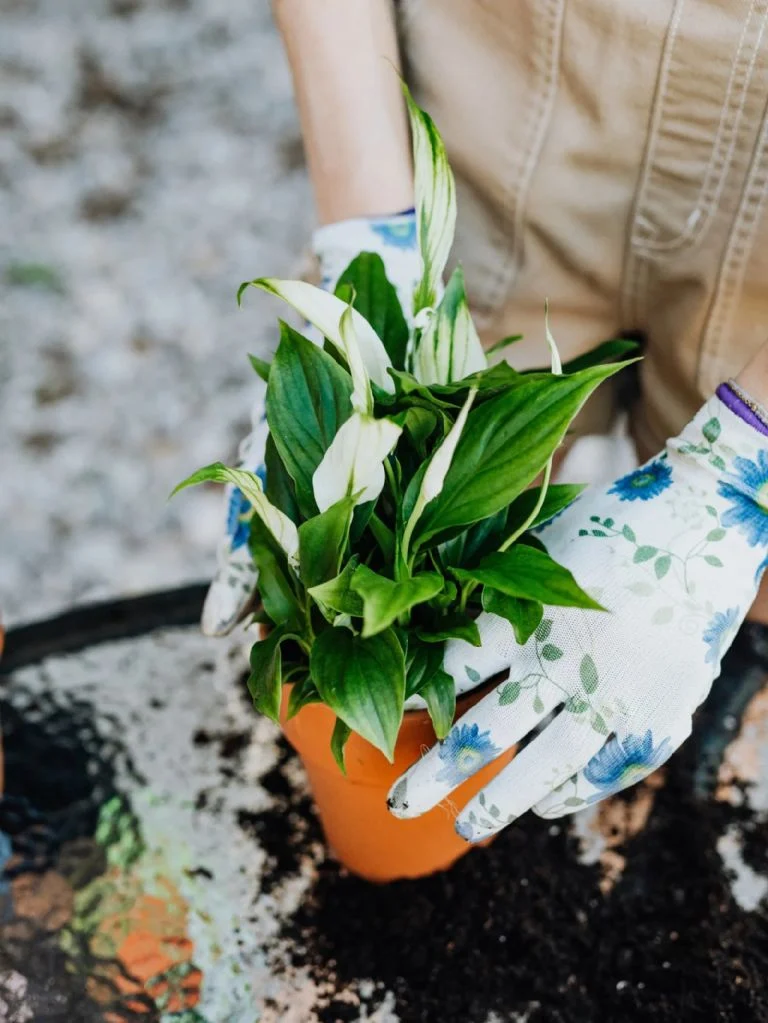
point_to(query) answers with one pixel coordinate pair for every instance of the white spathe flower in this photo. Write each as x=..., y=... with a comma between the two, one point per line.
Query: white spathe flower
x=354, y=463
x=362, y=399
x=557, y=362
x=449, y=348
x=325, y=312
x=434, y=477
x=435, y=194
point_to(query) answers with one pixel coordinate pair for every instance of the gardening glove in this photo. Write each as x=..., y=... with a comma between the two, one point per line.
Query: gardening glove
x=675, y=551
x=336, y=245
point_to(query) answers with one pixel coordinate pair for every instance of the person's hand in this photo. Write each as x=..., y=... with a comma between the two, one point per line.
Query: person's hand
x=674, y=551
x=336, y=245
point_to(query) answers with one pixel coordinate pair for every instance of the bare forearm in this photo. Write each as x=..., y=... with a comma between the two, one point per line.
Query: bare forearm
x=343, y=55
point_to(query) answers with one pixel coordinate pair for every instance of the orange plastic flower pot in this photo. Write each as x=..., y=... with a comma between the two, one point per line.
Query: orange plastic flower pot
x=359, y=828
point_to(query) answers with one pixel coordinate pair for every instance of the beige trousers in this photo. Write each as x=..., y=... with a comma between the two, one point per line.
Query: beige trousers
x=611, y=155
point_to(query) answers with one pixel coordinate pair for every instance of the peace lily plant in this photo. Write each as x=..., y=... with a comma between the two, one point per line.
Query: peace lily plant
x=398, y=499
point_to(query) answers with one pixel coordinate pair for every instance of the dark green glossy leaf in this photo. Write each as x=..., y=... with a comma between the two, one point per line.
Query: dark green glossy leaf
x=558, y=497
x=260, y=366
x=439, y=693
x=523, y=615
x=341, y=732
x=505, y=342
x=421, y=663
x=526, y=572
x=303, y=692
x=451, y=626
x=323, y=542
x=466, y=549
x=612, y=350
x=275, y=577
x=375, y=298
x=279, y=486
x=265, y=680
x=337, y=593
x=505, y=444
x=363, y=682
x=308, y=399
x=385, y=600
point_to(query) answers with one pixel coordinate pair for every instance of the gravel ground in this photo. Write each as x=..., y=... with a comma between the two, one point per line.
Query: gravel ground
x=150, y=160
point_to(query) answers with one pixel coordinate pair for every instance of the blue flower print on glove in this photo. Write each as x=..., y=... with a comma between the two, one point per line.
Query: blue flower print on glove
x=644, y=483
x=622, y=763
x=747, y=491
x=465, y=750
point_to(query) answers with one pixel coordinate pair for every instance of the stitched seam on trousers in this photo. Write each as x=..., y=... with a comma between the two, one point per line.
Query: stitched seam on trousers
x=633, y=264
x=721, y=154
x=731, y=277
x=547, y=60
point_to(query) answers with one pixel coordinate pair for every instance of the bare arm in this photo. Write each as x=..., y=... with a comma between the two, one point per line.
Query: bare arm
x=342, y=55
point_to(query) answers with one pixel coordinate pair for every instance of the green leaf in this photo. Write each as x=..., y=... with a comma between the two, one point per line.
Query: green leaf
x=439, y=693
x=523, y=615
x=505, y=444
x=715, y=534
x=510, y=693
x=662, y=565
x=375, y=298
x=261, y=367
x=466, y=549
x=265, y=680
x=526, y=572
x=538, y=705
x=341, y=733
x=472, y=675
x=452, y=626
x=279, y=486
x=363, y=682
x=418, y=424
x=323, y=541
x=385, y=600
x=614, y=349
x=711, y=429
x=275, y=586
x=550, y=652
x=505, y=342
x=588, y=673
x=303, y=692
x=421, y=663
x=645, y=553
x=543, y=631
x=435, y=194
x=384, y=537
x=718, y=462
x=558, y=497
x=662, y=615
x=713, y=561
x=573, y=801
x=337, y=594
x=308, y=399
x=629, y=534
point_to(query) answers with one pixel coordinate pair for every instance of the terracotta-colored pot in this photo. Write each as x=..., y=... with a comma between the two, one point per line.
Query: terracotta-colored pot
x=359, y=828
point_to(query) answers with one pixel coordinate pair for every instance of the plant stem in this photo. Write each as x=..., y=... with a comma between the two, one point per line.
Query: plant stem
x=536, y=509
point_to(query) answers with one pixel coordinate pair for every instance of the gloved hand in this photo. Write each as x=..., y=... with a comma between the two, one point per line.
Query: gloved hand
x=336, y=245
x=674, y=551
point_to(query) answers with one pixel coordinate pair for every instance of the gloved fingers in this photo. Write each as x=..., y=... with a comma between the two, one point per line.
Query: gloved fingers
x=562, y=749
x=230, y=594
x=626, y=759
x=501, y=719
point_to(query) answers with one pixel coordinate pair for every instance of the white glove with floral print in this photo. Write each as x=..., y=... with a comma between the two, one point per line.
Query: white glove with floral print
x=336, y=245
x=675, y=551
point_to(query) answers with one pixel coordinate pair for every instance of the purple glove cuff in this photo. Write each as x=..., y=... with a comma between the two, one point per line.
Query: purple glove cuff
x=739, y=407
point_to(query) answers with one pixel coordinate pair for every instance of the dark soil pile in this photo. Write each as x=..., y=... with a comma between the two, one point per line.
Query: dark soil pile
x=523, y=931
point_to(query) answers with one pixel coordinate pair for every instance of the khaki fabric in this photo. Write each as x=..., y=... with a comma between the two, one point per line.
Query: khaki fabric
x=611, y=155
